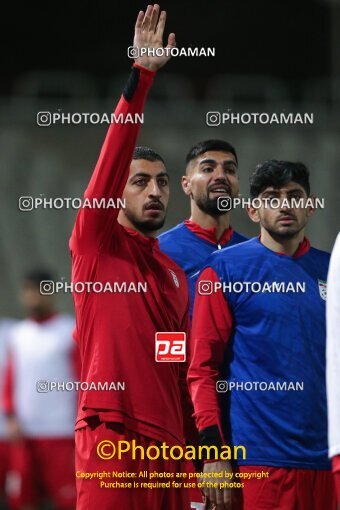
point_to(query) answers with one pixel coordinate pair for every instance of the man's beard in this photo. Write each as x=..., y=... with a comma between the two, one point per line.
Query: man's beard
x=285, y=235
x=209, y=205
x=145, y=226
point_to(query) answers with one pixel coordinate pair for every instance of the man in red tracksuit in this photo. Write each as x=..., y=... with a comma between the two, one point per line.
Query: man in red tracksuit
x=116, y=331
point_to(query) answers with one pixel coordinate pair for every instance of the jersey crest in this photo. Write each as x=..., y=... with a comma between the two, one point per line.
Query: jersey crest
x=174, y=277
x=322, y=289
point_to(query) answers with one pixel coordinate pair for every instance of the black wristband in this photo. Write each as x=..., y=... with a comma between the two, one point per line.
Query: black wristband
x=210, y=436
x=131, y=84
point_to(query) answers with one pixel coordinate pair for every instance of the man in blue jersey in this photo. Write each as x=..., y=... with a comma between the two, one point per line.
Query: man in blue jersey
x=257, y=371
x=211, y=172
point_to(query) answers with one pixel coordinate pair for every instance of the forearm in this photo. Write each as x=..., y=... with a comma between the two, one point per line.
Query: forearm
x=94, y=226
x=202, y=378
x=211, y=329
x=190, y=430
x=112, y=169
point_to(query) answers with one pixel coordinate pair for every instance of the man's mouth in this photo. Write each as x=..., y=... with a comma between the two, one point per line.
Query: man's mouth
x=154, y=206
x=219, y=189
x=286, y=218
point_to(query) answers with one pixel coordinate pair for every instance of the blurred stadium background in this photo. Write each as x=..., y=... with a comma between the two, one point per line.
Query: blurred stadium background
x=271, y=56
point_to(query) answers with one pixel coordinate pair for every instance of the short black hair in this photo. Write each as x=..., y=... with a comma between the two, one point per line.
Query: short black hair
x=210, y=145
x=37, y=275
x=143, y=152
x=277, y=174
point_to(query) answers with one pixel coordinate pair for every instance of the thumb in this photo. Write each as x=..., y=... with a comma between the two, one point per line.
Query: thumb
x=171, y=41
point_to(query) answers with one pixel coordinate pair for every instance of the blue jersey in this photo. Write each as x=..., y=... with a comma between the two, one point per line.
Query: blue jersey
x=190, y=251
x=277, y=337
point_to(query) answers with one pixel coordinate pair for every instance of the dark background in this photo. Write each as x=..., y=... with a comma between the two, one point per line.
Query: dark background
x=286, y=39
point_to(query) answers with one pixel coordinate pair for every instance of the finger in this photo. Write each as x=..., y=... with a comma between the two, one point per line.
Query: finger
x=154, y=18
x=161, y=25
x=147, y=18
x=219, y=499
x=139, y=21
x=171, y=40
x=206, y=503
x=227, y=499
x=209, y=505
x=171, y=43
x=212, y=498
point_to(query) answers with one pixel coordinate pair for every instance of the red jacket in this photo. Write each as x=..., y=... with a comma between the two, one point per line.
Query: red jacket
x=116, y=332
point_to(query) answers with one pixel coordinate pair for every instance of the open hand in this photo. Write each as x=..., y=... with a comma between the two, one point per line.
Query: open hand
x=149, y=31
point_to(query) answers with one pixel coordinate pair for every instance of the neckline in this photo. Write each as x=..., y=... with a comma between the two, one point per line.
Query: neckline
x=302, y=249
x=209, y=234
x=147, y=241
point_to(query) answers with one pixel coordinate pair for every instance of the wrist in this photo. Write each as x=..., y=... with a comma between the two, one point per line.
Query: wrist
x=148, y=69
x=210, y=438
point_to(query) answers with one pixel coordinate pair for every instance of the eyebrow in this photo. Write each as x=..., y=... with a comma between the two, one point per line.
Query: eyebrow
x=294, y=190
x=214, y=162
x=143, y=174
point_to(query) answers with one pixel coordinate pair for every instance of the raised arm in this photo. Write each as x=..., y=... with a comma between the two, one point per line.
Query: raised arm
x=93, y=227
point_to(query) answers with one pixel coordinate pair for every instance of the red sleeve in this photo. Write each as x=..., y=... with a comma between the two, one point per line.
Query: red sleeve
x=8, y=401
x=93, y=227
x=211, y=328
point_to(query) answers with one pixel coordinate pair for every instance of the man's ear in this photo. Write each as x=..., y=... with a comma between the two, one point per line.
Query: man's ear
x=186, y=185
x=253, y=214
x=312, y=209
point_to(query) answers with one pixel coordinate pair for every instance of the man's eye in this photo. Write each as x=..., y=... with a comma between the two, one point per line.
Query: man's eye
x=163, y=182
x=140, y=182
x=208, y=169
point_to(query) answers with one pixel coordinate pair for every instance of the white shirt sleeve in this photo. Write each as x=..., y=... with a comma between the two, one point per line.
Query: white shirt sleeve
x=333, y=351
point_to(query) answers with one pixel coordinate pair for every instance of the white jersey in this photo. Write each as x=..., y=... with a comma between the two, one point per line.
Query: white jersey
x=5, y=328
x=333, y=351
x=41, y=353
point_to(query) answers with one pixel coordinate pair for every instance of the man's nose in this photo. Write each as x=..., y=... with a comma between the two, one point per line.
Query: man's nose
x=154, y=189
x=285, y=203
x=219, y=174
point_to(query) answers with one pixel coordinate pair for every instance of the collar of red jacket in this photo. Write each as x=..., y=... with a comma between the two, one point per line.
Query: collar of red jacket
x=148, y=241
x=209, y=234
x=303, y=248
